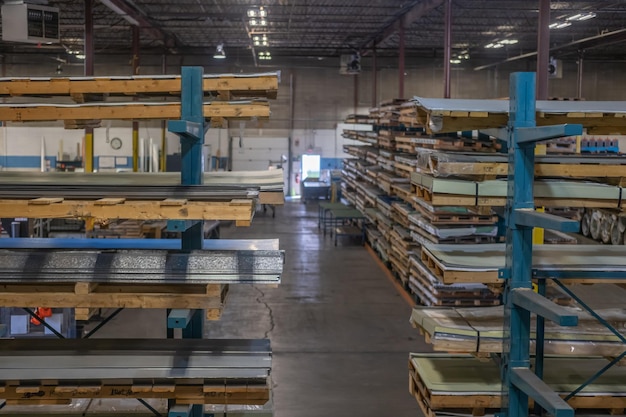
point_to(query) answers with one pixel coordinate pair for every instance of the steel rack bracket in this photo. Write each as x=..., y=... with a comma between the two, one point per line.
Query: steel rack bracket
x=521, y=134
x=181, y=411
x=179, y=318
x=191, y=130
x=535, y=303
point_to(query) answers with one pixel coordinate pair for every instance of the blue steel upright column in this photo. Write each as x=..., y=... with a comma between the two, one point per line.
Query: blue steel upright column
x=191, y=129
x=519, y=382
x=519, y=238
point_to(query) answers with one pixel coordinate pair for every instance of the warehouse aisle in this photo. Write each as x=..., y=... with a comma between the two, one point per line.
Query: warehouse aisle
x=339, y=330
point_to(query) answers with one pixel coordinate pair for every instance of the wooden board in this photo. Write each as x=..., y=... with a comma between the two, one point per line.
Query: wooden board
x=562, y=170
x=128, y=111
x=236, y=210
x=259, y=85
x=211, y=297
x=183, y=393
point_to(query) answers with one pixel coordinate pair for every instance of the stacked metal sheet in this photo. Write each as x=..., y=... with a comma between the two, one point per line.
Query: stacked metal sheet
x=197, y=371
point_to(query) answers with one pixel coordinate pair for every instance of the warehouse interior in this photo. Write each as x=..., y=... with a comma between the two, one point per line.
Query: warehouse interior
x=260, y=208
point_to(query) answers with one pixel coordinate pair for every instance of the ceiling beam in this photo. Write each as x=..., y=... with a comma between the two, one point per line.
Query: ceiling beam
x=136, y=17
x=419, y=9
x=604, y=39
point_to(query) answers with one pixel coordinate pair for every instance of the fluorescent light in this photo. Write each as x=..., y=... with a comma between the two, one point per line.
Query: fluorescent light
x=80, y=56
x=575, y=17
x=509, y=41
x=563, y=25
x=490, y=45
x=455, y=61
x=553, y=25
x=497, y=45
x=587, y=17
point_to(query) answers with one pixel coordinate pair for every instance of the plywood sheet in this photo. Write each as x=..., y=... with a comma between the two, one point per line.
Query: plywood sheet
x=466, y=375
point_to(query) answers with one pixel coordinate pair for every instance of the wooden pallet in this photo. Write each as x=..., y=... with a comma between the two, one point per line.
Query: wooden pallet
x=443, y=217
x=481, y=404
x=456, y=144
x=451, y=276
x=439, y=200
x=465, y=240
x=86, y=296
x=437, y=289
x=429, y=402
x=427, y=298
x=240, y=211
x=184, y=392
x=485, y=169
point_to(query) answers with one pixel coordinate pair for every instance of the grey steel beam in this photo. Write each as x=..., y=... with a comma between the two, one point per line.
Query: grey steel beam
x=605, y=39
x=138, y=18
x=134, y=192
x=417, y=10
x=134, y=359
x=137, y=266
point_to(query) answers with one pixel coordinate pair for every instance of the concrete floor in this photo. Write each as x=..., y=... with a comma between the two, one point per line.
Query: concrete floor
x=339, y=330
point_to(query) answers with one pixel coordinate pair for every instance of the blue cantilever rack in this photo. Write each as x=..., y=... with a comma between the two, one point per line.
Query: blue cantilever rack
x=191, y=129
x=519, y=382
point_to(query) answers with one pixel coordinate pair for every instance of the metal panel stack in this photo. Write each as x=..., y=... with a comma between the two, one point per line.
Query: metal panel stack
x=188, y=276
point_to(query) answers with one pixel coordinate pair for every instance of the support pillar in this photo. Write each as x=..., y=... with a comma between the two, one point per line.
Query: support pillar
x=88, y=71
x=543, y=49
x=579, y=76
x=374, y=77
x=447, y=48
x=135, y=64
x=164, y=123
x=401, y=60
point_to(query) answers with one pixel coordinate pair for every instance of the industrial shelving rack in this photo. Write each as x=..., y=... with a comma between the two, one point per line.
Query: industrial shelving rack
x=191, y=129
x=519, y=381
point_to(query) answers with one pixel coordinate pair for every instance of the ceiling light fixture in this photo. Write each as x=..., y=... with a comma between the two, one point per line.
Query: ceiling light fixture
x=455, y=61
x=562, y=25
x=265, y=56
x=490, y=45
x=260, y=12
x=588, y=16
x=260, y=40
x=219, y=52
x=508, y=41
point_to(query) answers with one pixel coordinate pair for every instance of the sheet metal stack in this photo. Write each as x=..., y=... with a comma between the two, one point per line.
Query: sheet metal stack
x=87, y=274
x=379, y=181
